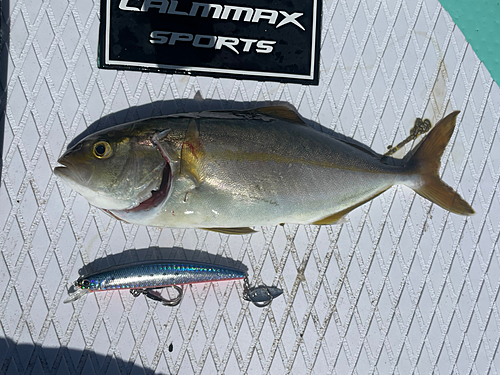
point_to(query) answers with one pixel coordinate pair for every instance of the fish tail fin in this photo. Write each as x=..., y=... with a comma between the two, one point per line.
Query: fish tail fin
x=426, y=161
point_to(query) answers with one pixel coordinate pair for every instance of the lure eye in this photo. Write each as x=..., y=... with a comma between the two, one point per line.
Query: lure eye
x=102, y=150
x=85, y=283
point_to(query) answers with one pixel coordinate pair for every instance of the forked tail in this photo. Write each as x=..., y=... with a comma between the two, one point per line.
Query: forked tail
x=426, y=161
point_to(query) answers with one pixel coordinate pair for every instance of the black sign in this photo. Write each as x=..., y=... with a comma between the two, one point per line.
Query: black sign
x=275, y=40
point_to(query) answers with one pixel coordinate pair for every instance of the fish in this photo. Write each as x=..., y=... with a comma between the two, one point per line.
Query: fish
x=229, y=171
x=146, y=277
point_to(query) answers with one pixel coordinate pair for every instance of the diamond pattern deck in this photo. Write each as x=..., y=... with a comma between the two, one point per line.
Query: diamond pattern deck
x=401, y=287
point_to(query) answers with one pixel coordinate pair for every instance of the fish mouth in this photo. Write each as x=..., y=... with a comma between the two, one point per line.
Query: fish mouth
x=69, y=175
x=154, y=197
x=69, y=172
x=158, y=195
x=61, y=172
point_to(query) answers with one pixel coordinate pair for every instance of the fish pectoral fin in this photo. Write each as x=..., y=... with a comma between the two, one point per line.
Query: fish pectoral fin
x=242, y=230
x=160, y=140
x=191, y=153
x=340, y=217
x=281, y=112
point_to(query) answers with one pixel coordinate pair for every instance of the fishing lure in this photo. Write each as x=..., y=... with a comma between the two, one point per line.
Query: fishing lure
x=147, y=278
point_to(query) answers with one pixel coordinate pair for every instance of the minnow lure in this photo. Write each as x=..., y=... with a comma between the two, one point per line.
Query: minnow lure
x=146, y=278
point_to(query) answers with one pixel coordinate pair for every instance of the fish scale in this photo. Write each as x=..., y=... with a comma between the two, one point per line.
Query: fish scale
x=159, y=275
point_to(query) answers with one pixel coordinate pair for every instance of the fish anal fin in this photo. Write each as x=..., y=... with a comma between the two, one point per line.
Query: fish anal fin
x=242, y=230
x=339, y=217
x=192, y=152
x=281, y=112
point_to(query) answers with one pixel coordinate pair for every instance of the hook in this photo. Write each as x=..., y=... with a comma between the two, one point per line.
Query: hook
x=153, y=294
x=261, y=295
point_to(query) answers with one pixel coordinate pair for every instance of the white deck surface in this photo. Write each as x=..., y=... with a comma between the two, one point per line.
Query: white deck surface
x=401, y=287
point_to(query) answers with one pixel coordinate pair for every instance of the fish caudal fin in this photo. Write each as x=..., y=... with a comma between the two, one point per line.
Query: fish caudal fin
x=426, y=161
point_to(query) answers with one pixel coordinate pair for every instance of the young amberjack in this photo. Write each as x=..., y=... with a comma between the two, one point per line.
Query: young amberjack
x=230, y=170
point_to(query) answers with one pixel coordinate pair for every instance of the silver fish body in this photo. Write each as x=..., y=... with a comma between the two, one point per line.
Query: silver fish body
x=236, y=169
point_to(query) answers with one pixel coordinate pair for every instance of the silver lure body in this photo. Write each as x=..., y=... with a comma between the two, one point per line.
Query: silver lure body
x=157, y=275
x=145, y=278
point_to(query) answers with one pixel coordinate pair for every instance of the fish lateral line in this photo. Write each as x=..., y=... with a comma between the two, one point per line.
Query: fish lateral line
x=230, y=155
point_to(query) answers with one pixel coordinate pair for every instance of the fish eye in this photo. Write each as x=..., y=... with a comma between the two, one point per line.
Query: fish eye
x=85, y=283
x=102, y=150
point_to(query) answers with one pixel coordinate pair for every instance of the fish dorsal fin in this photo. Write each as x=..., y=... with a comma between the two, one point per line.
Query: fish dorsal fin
x=281, y=112
x=198, y=97
x=242, y=230
x=339, y=217
x=191, y=153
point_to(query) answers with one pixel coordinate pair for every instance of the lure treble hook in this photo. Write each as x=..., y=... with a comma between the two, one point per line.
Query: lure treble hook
x=153, y=294
x=262, y=295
